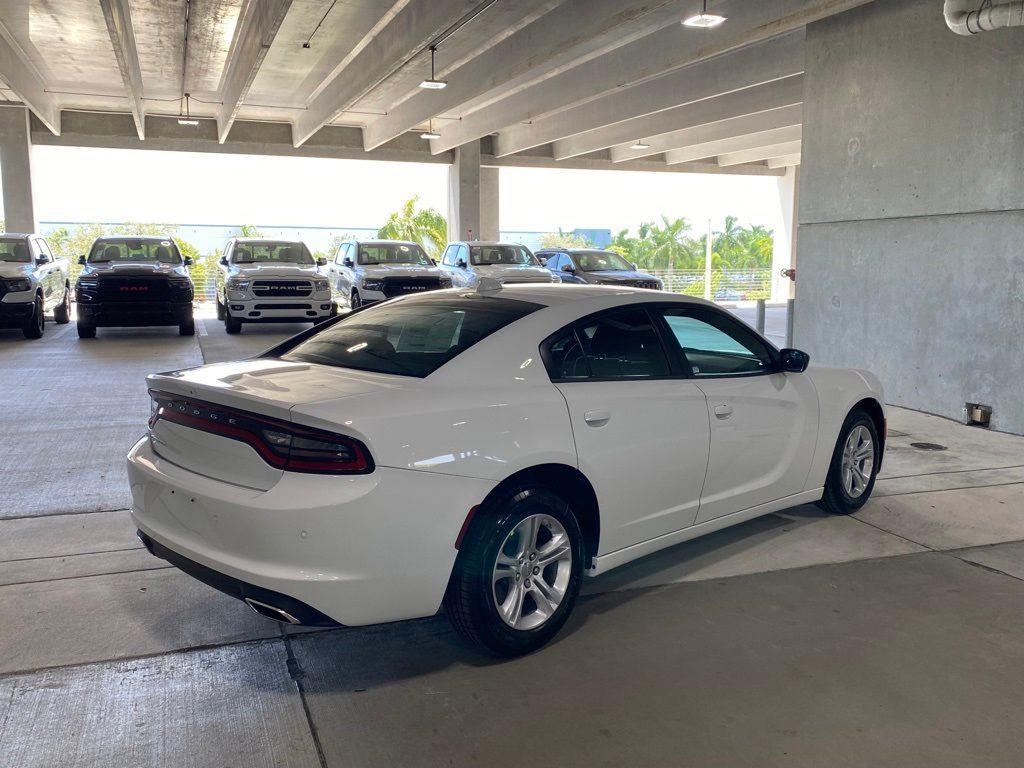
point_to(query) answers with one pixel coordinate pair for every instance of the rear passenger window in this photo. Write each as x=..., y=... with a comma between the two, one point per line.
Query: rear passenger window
x=623, y=345
x=566, y=359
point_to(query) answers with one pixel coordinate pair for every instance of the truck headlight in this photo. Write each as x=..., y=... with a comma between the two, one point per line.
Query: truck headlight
x=237, y=287
x=446, y=282
x=321, y=286
x=19, y=284
x=373, y=285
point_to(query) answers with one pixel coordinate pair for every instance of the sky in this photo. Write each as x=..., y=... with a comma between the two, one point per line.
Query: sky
x=111, y=185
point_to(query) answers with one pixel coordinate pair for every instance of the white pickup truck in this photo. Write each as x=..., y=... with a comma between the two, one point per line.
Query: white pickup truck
x=32, y=282
x=263, y=281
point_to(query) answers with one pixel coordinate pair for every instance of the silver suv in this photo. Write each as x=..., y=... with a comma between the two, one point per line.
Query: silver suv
x=367, y=271
x=466, y=262
x=264, y=281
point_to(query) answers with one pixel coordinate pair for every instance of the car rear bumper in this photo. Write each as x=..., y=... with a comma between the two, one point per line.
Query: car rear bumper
x=15, y=314
x=358, y=549
x=125, y=314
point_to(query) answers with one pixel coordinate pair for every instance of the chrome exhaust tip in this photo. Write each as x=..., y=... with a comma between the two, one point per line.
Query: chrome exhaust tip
x=270, y=611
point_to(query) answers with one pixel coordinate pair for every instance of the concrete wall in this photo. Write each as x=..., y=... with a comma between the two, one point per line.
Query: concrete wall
x=911, y=213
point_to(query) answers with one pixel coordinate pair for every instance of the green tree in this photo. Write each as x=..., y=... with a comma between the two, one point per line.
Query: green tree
x=562, y=239
x=425, y=226
x=249, y=230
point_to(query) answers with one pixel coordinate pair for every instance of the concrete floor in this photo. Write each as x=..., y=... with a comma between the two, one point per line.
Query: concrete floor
x=893, y=637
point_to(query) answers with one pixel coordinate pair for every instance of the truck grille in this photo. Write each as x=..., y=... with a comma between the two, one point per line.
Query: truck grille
x=642, y=284
x=273, y=288
x=134, y=288
x=402, y=286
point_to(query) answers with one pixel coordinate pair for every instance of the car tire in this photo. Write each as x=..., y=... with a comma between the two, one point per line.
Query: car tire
x=354, y=302
x=187, y=329
x=858, y=451
x=62, y=314
x=232, y=324
x=220, y=309
x=86, y=331
x=480, y=603
x=36, y=324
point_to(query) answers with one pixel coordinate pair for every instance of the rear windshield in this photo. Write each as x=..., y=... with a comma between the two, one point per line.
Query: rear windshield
x=484, y=255
x=410, y=337
x=393, y=254
x=14, y=249
x=164, y=251
x=272, y=253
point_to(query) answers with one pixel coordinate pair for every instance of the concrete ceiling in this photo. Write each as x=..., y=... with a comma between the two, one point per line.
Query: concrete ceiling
x=562, y=79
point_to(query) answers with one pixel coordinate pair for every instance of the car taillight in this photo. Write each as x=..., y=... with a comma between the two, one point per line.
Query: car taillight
x=280, y=443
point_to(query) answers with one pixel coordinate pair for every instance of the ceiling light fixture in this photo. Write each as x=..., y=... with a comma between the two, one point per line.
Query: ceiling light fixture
x=429, y=134
x=432, y=83
x=639, y=144
x=187, y=118
x=704, y=20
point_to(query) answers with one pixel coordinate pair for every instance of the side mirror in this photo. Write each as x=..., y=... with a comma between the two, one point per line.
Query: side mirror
x=224, y=260
x=321, y=261
x=635, y=267
x=81, y=259
x=461, y=263
x=794, y=361
x=568, y=268
x=188, y=261
x=347, y=262
x=433, y=262
x=40, y=260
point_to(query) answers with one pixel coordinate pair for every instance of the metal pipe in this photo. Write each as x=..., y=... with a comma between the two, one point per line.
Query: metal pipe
x=759, y=322
x=790, y=304
x=969, y=17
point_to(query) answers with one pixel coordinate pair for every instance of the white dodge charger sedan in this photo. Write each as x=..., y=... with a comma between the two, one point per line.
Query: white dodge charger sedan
x=483, y=450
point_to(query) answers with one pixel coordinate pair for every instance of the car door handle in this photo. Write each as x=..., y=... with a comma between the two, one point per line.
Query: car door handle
x=597, y=418
x=723, y=411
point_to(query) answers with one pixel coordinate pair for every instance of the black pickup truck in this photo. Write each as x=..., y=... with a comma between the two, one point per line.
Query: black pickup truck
x=134, y=281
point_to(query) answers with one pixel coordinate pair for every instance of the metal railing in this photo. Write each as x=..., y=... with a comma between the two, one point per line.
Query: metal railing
x=726, y=284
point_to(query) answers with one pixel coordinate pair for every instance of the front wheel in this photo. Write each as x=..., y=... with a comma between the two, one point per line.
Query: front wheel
x=187, y=328
x=855, y=463
x=518, y=573
x=86, y=331
x=33, y=329
x=232, y=324
x=62, y=314
x=220, y=309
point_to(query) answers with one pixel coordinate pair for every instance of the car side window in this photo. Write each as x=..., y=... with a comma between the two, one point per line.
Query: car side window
x=565, y=358
x=448, y=258
x=716, y=345
x=44, y=248
x=623, y=344
x=463, y=255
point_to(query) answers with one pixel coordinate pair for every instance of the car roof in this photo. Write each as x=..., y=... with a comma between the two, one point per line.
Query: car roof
x=556, y=294
x=383, y=241
x=486, y=242
x=266, y=240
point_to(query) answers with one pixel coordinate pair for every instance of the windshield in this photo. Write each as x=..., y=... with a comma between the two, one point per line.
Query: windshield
x=14, y=249
x=393, y=253
x=270, y=252
x=601, y=261
x=164, y=251
x=410, y=337
x=515, y=255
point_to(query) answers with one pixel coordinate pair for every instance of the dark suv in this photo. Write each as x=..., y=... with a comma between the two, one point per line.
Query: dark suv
x=590, y=265
x=132, y=281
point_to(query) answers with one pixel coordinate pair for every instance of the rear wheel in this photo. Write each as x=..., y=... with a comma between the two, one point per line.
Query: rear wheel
x=86, y=331
x=855, y=462
x=518, y=573
x=36, y=324
x=62, y=314
x=354, y=301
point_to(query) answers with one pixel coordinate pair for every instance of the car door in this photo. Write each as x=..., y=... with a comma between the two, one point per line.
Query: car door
x=456, y=263
x=764, y=422
x=641, y=428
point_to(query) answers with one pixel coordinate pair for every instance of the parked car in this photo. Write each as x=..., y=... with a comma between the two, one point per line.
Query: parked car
x=276, y=281
x=485, y=450
x=368, y=271
x=590, y=265
x=134, y=281
x=32, y=282
x=508, y=263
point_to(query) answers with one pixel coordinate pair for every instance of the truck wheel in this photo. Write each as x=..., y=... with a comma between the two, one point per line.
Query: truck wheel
x=86, y=331
x=62, y=314
x=187, y=329
x=220, y=309
x=355, y=302
x=33, y=329
x=232, y=324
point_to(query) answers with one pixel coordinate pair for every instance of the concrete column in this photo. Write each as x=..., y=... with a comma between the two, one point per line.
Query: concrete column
x=16, y=169
x=490, y=227
x=464, y=193
x=784, y=253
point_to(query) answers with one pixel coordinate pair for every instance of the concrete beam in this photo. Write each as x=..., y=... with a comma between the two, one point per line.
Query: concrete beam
x=402, y=33
x=259, y=22
x=786, y=161
x=16, y=169
x=118, y=16
x=575, y=31
x=779, y=94
x=21, y=75
x=750, y=141
x=762, y=63
x=723, y=136
x=658, y=53
x=768, y=152
x=538, y=159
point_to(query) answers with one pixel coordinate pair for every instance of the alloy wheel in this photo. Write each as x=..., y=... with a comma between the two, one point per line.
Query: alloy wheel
x=531, y=572
x=858, y=461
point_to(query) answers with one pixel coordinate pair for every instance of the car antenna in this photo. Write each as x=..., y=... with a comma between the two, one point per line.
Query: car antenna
x=488, y=285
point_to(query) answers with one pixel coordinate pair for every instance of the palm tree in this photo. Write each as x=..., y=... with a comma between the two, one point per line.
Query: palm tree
x=673, y=248
x=425, y=226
